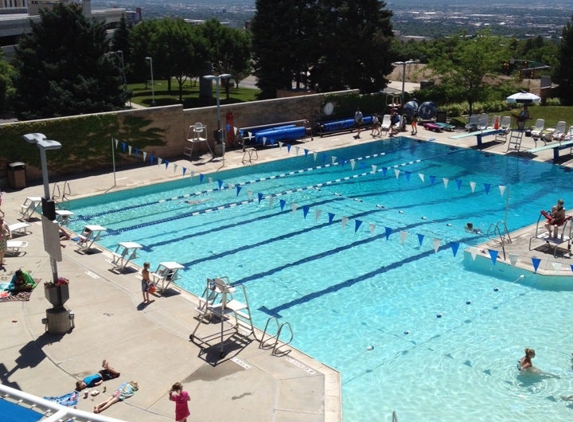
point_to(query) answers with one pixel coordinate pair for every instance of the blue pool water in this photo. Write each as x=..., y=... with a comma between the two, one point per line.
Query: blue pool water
x=382, y=298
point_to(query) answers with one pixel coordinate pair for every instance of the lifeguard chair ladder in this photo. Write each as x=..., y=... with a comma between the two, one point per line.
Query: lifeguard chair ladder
x=515, y=138
x=218, y=301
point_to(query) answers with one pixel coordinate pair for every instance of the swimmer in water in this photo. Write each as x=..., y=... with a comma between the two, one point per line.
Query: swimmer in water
x=195, y=202
x=525, y=365
x=470, y=228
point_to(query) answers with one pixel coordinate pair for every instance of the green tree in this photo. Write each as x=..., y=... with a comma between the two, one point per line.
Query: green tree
x=120, y=42
x=177, y=49
x=229, y=50
x=272, y=45
x=563, y=73
x=62, y=68
x=7, y=72
x=355, y=39
x=334, y=44
x=464, y=66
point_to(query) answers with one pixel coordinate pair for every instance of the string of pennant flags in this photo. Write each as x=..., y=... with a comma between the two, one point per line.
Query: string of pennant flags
x=334, y=161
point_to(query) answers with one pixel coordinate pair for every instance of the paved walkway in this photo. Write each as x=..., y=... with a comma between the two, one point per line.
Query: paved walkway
x=150, y=344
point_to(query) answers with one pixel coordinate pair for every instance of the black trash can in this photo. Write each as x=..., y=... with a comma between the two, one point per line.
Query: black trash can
x=441, y=116
x=17, y=175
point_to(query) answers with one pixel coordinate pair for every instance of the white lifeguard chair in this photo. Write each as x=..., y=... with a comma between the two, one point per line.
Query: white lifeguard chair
x=123, y=255
x=219, y=301
x=196, y=134
x=29, y=207
x=89, y=235
x=165, y=274
x=63, y=217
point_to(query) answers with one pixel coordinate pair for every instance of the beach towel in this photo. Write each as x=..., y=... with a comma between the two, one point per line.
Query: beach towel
x=126, y=390
x=6, y=296
x=68, y=400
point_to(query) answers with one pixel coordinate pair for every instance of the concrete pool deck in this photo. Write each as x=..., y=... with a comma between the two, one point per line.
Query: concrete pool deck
x=150, y=344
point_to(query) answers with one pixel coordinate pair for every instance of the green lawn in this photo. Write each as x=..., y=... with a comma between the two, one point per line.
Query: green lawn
x=142, y=94
x=551, y=114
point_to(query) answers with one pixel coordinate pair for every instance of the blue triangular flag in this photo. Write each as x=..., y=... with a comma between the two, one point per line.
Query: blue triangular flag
x=536, y=262
x=330, y=217
x=388, y=232
x=357, y=225
x=493, y=255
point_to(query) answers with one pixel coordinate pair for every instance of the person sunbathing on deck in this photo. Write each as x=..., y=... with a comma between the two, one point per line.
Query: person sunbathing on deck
x=105, y=374
x=125, y=391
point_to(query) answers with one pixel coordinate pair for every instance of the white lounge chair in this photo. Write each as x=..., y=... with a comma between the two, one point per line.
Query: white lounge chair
x=19, y=228
x=473, y=123
x=482, y=122
x=13, y=247
x=554, y=134
x=386, y=123
x=505, y=123
x=538, y=128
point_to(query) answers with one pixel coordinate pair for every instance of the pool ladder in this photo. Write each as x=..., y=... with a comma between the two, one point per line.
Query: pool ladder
x=499, y=235
x=60, y=193
x=274, y=341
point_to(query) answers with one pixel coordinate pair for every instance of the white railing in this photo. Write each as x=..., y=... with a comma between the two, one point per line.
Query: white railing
x=53, y=412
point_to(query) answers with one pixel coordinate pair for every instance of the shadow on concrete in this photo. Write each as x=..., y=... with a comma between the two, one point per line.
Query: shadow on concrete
x=31, y=355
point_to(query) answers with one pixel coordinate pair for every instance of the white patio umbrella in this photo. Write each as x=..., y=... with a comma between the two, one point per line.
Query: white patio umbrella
x=523, y=97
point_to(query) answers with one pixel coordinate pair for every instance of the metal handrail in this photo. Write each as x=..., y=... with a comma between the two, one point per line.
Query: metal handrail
x=52, y=411
x=497, y=232
x=277, y=347
x=61, y=192
x=263, y=343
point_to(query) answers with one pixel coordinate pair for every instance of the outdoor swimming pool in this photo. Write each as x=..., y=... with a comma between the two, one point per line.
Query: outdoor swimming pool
x=346, y=254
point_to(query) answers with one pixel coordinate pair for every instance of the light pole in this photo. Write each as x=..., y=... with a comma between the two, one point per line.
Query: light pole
x=150, y=60
x=403, y=64
x=58, y=318
x=217, y=79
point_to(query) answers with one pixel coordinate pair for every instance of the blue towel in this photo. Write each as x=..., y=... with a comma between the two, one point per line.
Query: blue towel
x=69, y=400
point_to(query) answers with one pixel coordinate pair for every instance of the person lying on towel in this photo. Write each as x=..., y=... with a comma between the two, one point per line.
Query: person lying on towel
x=105, y=374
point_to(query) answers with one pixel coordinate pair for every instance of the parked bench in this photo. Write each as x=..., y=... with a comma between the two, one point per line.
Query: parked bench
x=556, y=147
